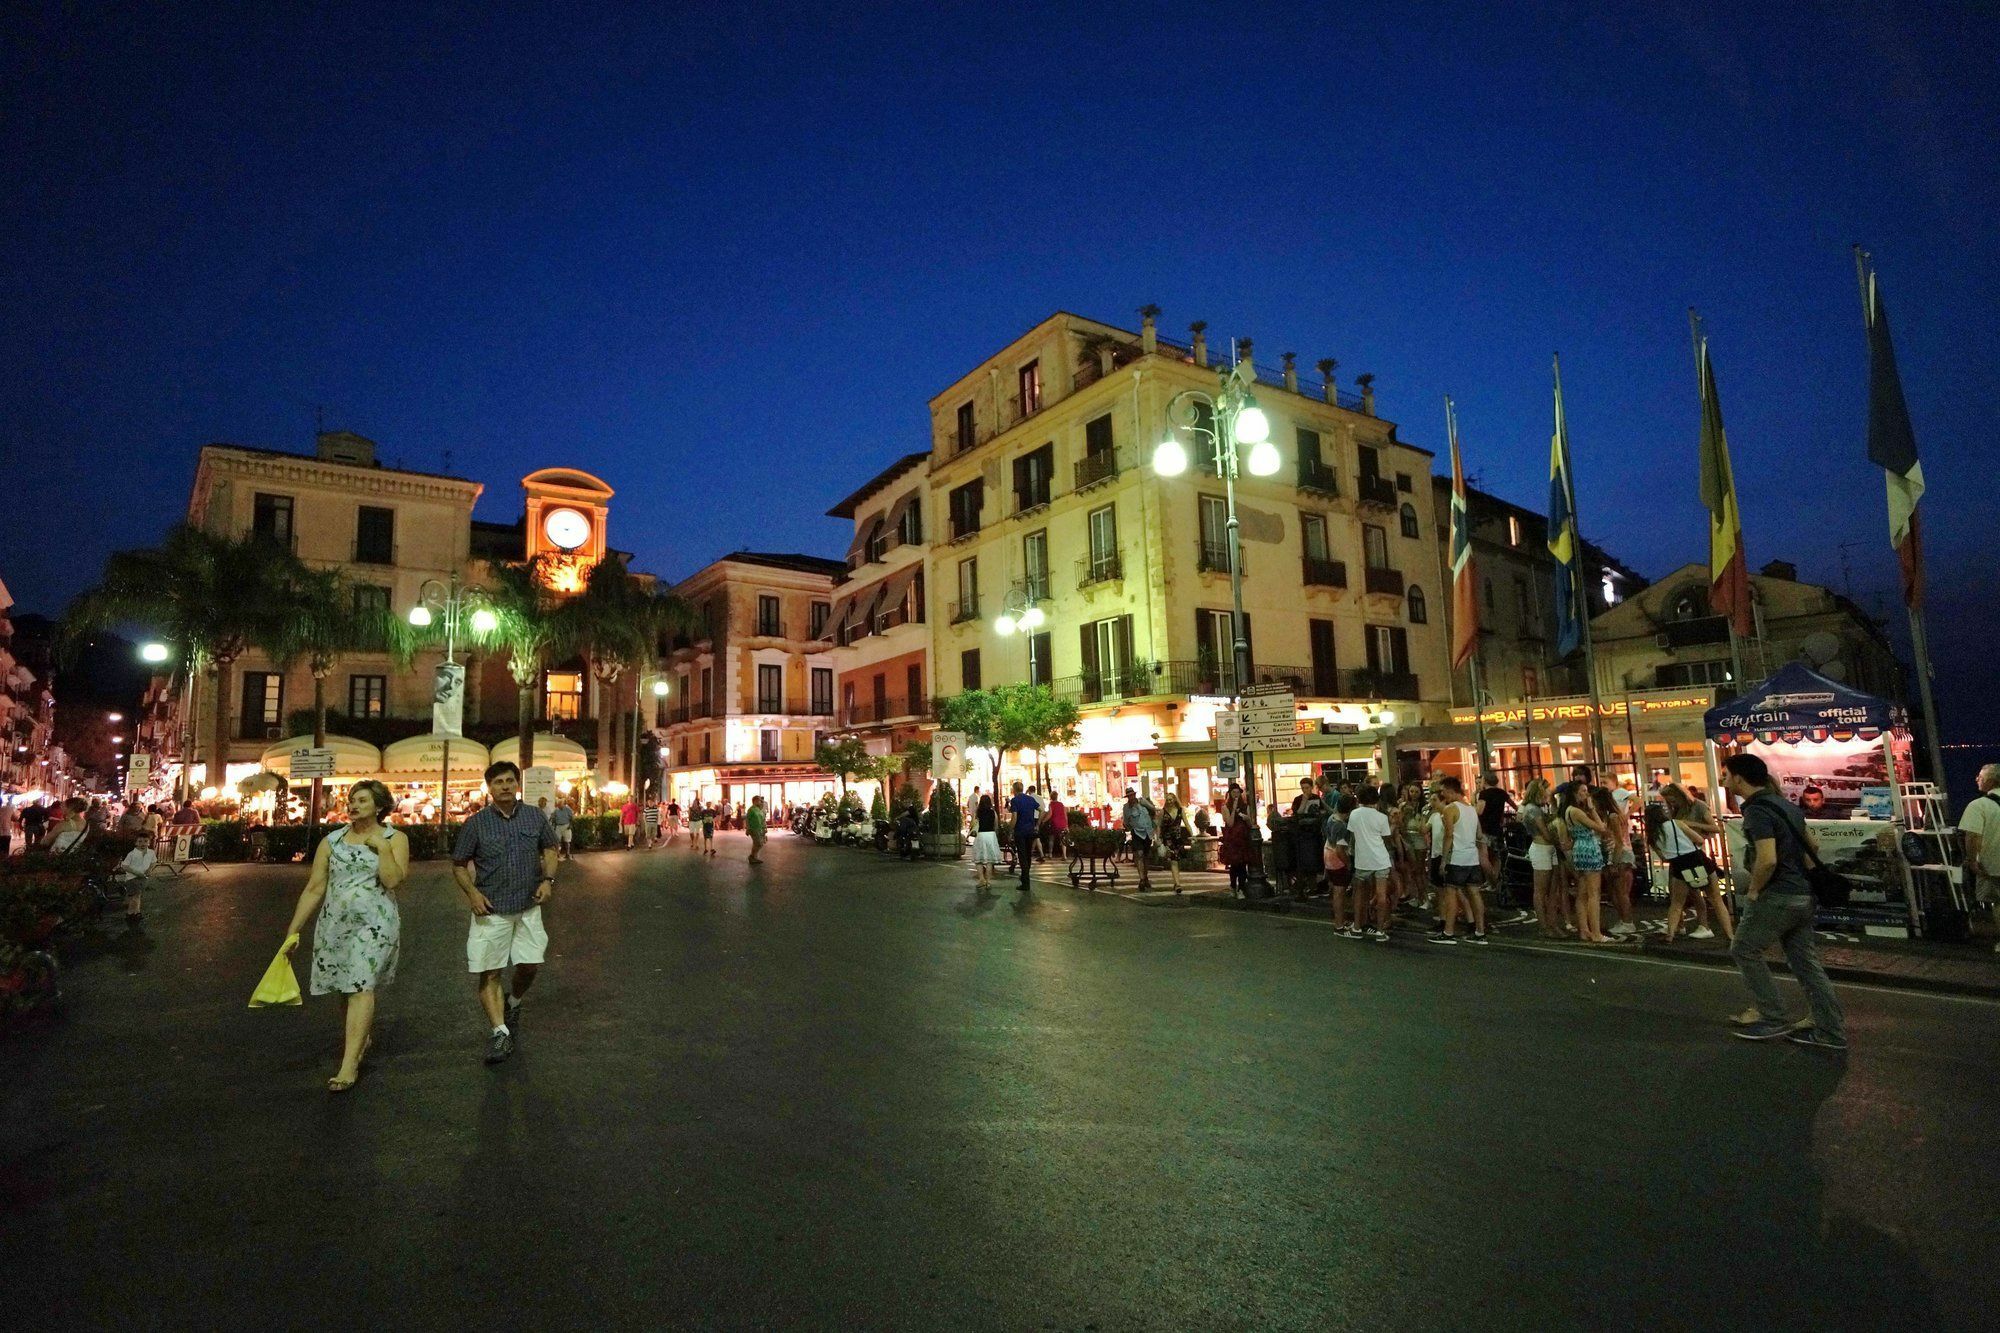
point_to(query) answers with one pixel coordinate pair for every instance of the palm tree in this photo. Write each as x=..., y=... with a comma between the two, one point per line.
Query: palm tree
x=210, y=597
x=618, y=624
x=532, y=631
x=323, y=620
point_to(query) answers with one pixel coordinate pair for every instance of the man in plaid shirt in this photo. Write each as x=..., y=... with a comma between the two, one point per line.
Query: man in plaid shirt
x=505, y=864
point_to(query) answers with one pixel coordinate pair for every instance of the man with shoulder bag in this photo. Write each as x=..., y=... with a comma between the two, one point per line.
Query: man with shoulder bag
x=1779, y=910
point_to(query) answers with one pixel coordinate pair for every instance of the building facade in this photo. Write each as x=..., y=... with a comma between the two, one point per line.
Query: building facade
x=1043, y=496
x=750, y=698
x=878, y=636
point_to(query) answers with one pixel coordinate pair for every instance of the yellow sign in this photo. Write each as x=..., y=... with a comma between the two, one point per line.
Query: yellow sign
x=1510, y=714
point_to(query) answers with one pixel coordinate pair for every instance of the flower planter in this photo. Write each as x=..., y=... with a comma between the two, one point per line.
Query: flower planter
x=944, y=846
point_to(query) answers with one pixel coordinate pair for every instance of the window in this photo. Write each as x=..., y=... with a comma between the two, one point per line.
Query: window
x=847, y=699
x=966, y=502
x=968, y=590
x=1312, y=531
x=881, y=687
x=686, y=700
x=1214, y=520
x=1097, y=438
x=1375, y=546
x=1308, y=449
x=1215, y=643
x=913, y=688
x=878, y=542
x=1409, y=519
x=1531, y=682
x=967, y=427
x=1104, y=543
x=816, y=619
x=1523, y=602
x=1325, y=667
x=767, y=744
x=1389, y=650
x=1040, y=670
x=968, y=669
x=562, y=696
x=1030, y=379
x=822, y=691
x=374, y=536
x=1689, y=604
x=370, y=600
x=1513, y=529
x=707, y=748
x=1107, y=658
x=263, y=705
x=367, y=696
x=1035, y=561
x=1032, y=473
x=910, y=527
x=271, y=519
x=1419, y=613
x=708, y=691
x=769, y=621
x=1403, y=483
x=1370, y=459
x=770, y=688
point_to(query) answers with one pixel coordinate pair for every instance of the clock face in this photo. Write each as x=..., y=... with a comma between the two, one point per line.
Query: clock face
x=566, y=528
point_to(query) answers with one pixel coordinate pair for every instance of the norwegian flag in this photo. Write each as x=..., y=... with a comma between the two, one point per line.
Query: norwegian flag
x=1464, y=604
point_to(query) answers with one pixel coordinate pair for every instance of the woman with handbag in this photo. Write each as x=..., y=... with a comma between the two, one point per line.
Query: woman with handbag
x=1175, y=836
x=1679, y=843
x=355, y=873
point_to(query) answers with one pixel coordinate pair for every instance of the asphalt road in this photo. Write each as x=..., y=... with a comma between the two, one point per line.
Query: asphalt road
x=840, y=1091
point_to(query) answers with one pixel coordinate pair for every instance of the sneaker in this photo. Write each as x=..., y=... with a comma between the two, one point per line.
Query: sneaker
x=1379, y=936
x=1701, y=933
x=513, y=1012
x=1440, y=937
x=1353, y=933
x=1622, y=929
x=1816, y=1039
x=499, y=1047
x=1763, y=1030
x=1476, y=937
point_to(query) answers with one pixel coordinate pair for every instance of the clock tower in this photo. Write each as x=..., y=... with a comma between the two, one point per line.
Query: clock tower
x=566, y=521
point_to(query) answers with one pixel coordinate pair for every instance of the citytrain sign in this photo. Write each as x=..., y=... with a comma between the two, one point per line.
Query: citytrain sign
x=1578, y=710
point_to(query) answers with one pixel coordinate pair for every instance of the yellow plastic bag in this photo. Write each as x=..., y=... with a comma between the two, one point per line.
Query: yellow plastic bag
x=280, y=984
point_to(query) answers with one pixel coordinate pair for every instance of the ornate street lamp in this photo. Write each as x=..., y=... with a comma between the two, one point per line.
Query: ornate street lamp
x=1021, y=610
x=660, y=688
x=1234, y=420
x=459, y=605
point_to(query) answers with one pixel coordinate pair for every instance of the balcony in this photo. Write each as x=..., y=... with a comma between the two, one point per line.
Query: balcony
x=1035, y=588
x=1100, y=567
x=1375, y=492
x=1094, y=687
x=965, y=610
x=1094, y=469
x=894, y=708
x=1212, y=677
x=1363, y=683
x=1320, y=572
x=1029, y=500
x=1385, y=582
x=1318, y=478
x=963, y=529
x=1212, y=556
x=1697, y=632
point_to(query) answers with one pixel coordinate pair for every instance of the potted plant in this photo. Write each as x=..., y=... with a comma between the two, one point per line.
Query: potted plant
x=944, y=838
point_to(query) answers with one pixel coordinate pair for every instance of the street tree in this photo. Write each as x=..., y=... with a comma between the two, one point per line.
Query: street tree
x=619, y=625
x=531, y=631
x=209, y=597
x=1011, y=717
x=845, y=757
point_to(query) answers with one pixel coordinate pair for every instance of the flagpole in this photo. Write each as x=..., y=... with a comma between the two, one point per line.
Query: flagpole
x=1919, y=641
x=1582, y=601
x=1472, y=662
x=1701, y=392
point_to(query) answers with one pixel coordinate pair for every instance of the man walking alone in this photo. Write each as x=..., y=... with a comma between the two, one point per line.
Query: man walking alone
x=755, y=822
x=504, y=862
x=1779, y=911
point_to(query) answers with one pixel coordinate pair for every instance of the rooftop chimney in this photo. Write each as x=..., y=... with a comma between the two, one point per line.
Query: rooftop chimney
x=1781, y=569
x=341, y=446
x=1245, y=359
x=1291, y=371
x=1149, y=329
x=1367, y=383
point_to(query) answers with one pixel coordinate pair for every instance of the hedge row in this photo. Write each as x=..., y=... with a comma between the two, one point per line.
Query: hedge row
x=229, y=839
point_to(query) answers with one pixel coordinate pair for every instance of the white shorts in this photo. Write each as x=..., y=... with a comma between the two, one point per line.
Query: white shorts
x=563, y=835
x=1541, y=856
x=496, y=940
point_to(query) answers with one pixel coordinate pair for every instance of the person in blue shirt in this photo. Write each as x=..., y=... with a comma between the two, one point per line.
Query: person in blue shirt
x=1026, y=811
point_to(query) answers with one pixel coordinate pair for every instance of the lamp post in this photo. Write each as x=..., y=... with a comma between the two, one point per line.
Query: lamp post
x=155, y=653
x=1021, y=610
x=1234, y=420
x=660, y=688
x=460, y=606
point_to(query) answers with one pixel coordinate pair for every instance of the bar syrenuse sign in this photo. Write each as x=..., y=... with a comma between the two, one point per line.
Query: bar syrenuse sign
x=1578, y=710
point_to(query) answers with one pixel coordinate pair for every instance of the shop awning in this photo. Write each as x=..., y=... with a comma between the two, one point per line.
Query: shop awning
x=895, y=588
x=351, y=758
x=421, y=759
x=564, y=755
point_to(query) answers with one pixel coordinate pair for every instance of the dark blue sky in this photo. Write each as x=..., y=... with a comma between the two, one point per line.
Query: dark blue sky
x=723, y=258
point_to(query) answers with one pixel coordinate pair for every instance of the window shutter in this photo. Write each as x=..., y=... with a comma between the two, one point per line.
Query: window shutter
x=1124, y=633
x=1249, y=644
x=1399, y=645
x=1087, y=641
x=1375, y=648
x=1204, y=629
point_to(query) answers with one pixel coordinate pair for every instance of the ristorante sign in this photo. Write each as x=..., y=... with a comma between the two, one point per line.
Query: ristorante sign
x=1578, y=710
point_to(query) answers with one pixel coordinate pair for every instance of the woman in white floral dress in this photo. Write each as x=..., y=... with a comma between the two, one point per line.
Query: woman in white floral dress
x=355, y=871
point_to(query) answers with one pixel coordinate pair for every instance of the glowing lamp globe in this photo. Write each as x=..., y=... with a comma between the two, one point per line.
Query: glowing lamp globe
x=153, y=652
x=1263, y=459
x=1032, y=618
x=1004, y=623
x=1170, y=458
x=1252, y=426
x=484, y=621
x=659, y=689
x=420, y=616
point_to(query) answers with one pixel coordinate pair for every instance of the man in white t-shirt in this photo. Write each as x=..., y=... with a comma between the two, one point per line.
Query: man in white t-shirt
x=1369, y=828
x=1979, y=825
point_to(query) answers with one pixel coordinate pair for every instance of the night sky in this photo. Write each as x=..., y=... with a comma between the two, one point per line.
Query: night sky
x=722, y=255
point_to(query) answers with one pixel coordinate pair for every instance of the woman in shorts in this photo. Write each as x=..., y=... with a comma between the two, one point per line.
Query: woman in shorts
x=1619, y=861
x=1679, y=842
x=1535, y=816
x=1586, y=831
x=985, y=841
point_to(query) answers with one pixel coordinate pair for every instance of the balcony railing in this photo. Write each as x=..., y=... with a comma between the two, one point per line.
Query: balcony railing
x=1694, y=633
x=1093, y=687
x=1320, y=572
x=962, y=529
x=1029, y=500
x=1094, y=468
x=893, y=708
x=1309, y=386
x=1102, y=567
x=1388, y=582
x=1363, y=683
x=1378, y=492
x=965, y=610
x=1318, y=477
x=1212, y=557
x=1206, y=677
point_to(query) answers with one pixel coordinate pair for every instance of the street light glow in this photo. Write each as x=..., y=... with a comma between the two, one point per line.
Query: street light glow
x=659, y=689
x=1032, y=618
x=1170, y=458
x=420, y=616
x=1263, y=457
x=484, y=621
x=1252, y=426
x=153, y=652
x=114, y=717
x=1004, y=623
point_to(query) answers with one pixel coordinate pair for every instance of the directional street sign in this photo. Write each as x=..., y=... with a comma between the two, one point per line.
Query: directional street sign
x=312, y=762
x=1269, y=718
